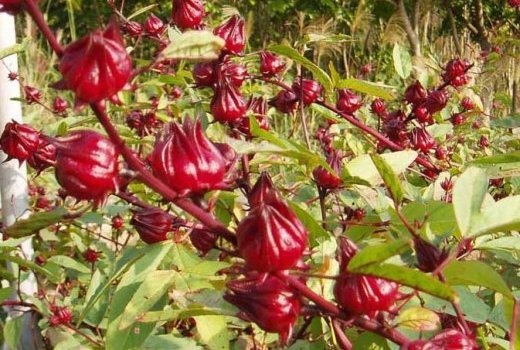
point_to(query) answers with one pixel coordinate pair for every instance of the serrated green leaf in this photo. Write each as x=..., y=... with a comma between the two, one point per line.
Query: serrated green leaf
x=367, y=87
x=69, y=263
x=402, y=61
x=419, y=319
x=378, y=253
x=318, y=73
x=316, y=231
x=35, y=222
x=511, y=157
x=476, y=273
x=194, y=45
x=408, y=277
x=155, y=285
x=390, y=178
x=468, y=196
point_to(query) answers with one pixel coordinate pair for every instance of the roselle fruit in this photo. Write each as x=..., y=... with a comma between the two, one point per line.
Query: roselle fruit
x=422, y=114
x=186, y=160
x=270, y=64
x=154, y=26
x=514, y=3
x=188, y=14
x=234, y=73
x=202, y=239
x=455, y=72
x=204, y=74
x=43, y=157
x=86, y=165
x=96, y=66
x=286, y=101
x=378, y=107
x=421, y=140
x=467, y=103
x=152, y=224
x=32, y=94
x=263, y=192
x=307, y=90
x=232, y=31
x=436, y=101
x=271, y=237
x=19, y=141
x=415, y=93
x=132, y=28
x=59, y=105
x=448, y=339
x=429, y=256
x=257, y=106
x=348, y=101
x=227, y=104
x=360, y=294
x=266, y=301
x=325, y=178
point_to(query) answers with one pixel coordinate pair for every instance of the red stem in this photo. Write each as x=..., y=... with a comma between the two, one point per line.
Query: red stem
x=514, y=325
x=37, y=16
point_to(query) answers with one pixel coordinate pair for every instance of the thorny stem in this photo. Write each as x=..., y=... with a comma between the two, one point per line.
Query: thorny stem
x=336, y=312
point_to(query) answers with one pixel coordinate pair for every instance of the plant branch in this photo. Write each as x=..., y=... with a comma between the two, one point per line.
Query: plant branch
x=342, y=339
x=37, y=16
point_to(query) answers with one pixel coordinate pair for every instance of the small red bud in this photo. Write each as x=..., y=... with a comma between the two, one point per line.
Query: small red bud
x=348, y=102
x=154, y=26
x=32, y=94
x=436, y=101
x=448, y=339
x=309, y=90
x=422, y=140
x=132, y=28
x=12, y=76
x=60, y=315
x=458, y=119
x=270, y=64
x=91, y=256
x=117, y=222
x=286, y=101
x=59, y=105
x=152, y=224
x=202, y=239
x=483, y=142
x=467, y=103
x=415, y=94
x=378, y=107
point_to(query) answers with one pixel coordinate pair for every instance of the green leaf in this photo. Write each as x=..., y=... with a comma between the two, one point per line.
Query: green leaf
x=141, y=10
x=181, y=314
x=69, y=263
x=378, y=253
x=318, y=73
x=363, y=167
x=170, y=342
x=501, y=216
x=316, y=231
x=476, y=273
x=12, y=332
x=36, y=222
x=390, y=178
x=419, y=319
x=30, y=265
x=155, y=285
x=16, y=48
x=510, y=157
x=402, y=61
x=468, y=195
x=213, y=332
x=132, y=337
x=367, y=87
x=408, y=277
x=195, y=45
x=370, y=341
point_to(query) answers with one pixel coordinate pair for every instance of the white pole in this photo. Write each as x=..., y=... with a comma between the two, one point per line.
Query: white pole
x=13, y=178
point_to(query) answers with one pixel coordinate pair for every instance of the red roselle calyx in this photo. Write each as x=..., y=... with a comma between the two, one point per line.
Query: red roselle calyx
x=154, y=26
x=59, y=105
x=348, y=102
x=227, y=104
x=186, y=160
x=429, y=257
x=415, y=93
x=152, y=224
x=467, y=103
x=44, y=157
x=361, y=294
x=378, y=107
x=132, y=28
x=11, y=6
x=32, y=94
x=286, y=101
x=307, y=89
x=232, y=31
x=448, y=339
x=422, y=140
x=96, y=66
x=270, y=64
x=271, y=237
x=257, y=106
x=325, y=178
x=188, y=14
x=455, y=72
x=204, y=74
x=202, y=239
x=263, y=191
x=90, y=255
x=19, y=141
x=436, y=100
x=86, y=165
x=234, y=73
x=267, y=301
